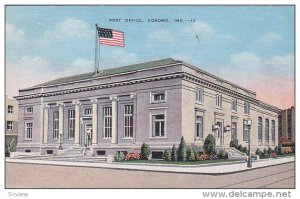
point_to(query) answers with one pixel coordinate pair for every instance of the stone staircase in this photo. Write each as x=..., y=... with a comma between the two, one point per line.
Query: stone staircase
x=74, y=151
x=235, y=154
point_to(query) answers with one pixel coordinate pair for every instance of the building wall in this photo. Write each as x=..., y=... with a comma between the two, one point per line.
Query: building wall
x=180, y=109
x=11, y=116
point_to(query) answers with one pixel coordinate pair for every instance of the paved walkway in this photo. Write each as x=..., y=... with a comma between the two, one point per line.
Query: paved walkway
x=215, y=169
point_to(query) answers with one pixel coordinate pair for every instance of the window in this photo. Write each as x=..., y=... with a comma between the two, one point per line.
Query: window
x=267, y=130
x=259, y=130
x=128, y=121
x=71, y=119
x=10, y=109
x=199, y=95
x=55, y=124
x=219, y=101
x=234, y=105
x=273, y=132
x=88, y=111
x=158, y=125
x=107, y=122
x=28, y=130
x=199, y=126
x=246, y=108
x=245, y=132
x=234, y=130
x=158, y=97
x=9, y=125
x=29, y=110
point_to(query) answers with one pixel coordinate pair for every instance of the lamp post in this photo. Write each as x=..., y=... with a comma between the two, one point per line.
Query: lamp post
x=60, y=141
x=248, y=123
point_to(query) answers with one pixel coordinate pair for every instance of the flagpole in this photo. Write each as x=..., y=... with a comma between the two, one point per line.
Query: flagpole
x=96, y=51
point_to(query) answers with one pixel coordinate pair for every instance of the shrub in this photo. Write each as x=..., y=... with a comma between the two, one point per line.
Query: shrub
x=191, y=156
x=119, y=156
x=222, y=154
x=209, y=144
x=132, y=156
x=174, y=153
x=240, y=148
x=167, y=155
x=265, y=154
x=276, y=150
x=145, y=151
x=182, y=150
x=273, y=155
x=12, y=145
x=245, y=150
x=213, y=157
x=288, y=150
x=270, y=150
x=197, y=149
x=234, y=142
x=203, y=157
x=258, y=152
x=280, y=149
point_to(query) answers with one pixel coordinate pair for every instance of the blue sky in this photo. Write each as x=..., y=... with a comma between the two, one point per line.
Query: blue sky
x=248, y=45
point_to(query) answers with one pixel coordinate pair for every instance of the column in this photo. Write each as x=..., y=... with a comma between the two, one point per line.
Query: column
x=95, y=121
x=46, y=123
x=77, y=122
x=114, y=116
x=61, y=122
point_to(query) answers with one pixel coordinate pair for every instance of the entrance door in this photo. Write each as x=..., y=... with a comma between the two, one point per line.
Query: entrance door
x=218, y=134
x=88, y=135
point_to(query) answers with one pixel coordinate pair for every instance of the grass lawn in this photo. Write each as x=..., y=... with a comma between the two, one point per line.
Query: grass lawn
x=179, y=162
x=286, y=155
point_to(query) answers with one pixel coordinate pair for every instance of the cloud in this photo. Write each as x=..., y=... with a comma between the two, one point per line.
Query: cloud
x=69, y=28
x=202, y=29
x=269, y=38
x=13, y=34
x=272, y=78
x=159, y=37
x=118, y=57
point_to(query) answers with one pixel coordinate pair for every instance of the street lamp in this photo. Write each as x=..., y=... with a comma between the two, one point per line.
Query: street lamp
x=60, y=141
x=248, y=122
x=227, y=128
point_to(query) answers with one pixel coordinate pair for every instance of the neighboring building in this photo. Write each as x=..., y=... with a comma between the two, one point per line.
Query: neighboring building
x=286, y=121
x=11, y=119
x=154, y=102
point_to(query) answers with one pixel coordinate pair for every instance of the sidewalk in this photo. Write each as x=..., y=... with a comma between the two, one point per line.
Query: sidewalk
x=216, y=169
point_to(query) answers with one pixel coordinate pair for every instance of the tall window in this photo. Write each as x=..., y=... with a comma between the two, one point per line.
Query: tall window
x=199, y=126
x=199, y=95
x=10, y=109
x=55, y=124
x=88, y=111
x=260, y=130
x=234, y=105
x=9, y=125
x=246, y=108
x=219, y=101
x=28, y=130
x=273, y=132
x=158, y=125
x=245, y=132
x=107, y=122
x=71, y=119
x=128, y=121
x=267, y=130
x=234, y=129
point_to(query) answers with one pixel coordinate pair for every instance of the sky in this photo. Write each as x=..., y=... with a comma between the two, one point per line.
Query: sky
x=252, y=46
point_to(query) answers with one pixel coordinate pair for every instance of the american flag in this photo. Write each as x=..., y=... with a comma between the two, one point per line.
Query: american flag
x=111, y=37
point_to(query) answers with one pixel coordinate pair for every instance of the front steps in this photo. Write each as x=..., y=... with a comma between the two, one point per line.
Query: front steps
x=235, y=154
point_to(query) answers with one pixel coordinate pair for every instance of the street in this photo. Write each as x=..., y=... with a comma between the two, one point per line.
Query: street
x=20, y=175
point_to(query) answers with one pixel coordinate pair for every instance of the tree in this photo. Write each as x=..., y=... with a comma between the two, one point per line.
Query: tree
x=145, y=151
x=209, y=144
x=174, y=153
x=167, y=155
x=12, y=145
x=182, y=150
x=191, y=156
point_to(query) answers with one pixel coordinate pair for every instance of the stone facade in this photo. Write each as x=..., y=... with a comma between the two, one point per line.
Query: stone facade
x=11, y=118
x=154, y=103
